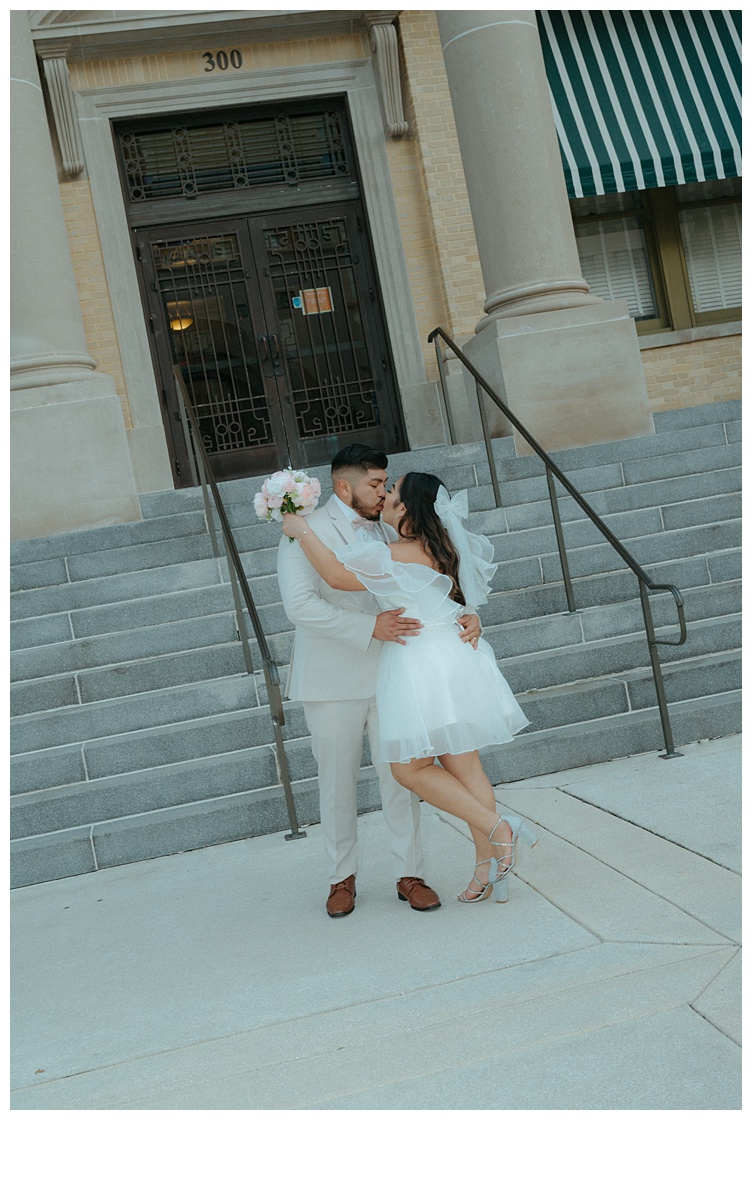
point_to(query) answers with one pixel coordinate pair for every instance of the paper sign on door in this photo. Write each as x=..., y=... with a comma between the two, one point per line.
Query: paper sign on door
x=314, y=300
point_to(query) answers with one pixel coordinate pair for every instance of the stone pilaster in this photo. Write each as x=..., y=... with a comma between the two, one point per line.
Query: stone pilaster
x=70, y=466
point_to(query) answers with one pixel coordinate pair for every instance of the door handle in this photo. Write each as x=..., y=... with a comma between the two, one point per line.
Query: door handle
x=275, y=349
x=262, y=347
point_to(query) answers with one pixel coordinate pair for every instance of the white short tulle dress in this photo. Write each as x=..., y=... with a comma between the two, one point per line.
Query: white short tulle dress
x=436, y=694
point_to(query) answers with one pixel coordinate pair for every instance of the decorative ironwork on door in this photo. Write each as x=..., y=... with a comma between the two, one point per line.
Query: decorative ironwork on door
x=312, y=275
x=274, y=325
x=192, y=158
x=202, y=284
x=258, y=281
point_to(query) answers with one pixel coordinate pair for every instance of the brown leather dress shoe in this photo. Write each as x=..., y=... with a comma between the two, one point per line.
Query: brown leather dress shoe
x=417, y=893
x=341, y=900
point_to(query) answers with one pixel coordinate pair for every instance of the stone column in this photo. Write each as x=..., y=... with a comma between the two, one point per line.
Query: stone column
x=570, y=362
x=70, y=465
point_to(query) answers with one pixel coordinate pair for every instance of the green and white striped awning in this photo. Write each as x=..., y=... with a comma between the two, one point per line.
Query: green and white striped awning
x=643, y=98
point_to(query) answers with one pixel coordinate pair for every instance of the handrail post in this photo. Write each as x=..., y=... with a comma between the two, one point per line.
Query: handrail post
x=566, y=576
x=655, y=663
x=240, y=584
x=446, y=410
x=553, y=471
x=199, y=465
x=187, y=428
x=489, y=446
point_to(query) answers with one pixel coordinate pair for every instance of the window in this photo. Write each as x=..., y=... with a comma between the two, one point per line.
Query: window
x=614, y=254
x=674, y=253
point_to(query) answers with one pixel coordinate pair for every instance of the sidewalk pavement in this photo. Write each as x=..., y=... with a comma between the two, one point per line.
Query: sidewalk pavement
x=215, y=980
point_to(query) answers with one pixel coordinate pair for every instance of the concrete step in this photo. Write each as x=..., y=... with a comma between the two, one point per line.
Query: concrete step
x=661, y=445
x=715, y=487
x=616, y=506
x=139, y=557
x=630, y=691
x=611, y=587
x=140, y=734
x=166, y=786
x=80, y=723
x=102, y=618
x=700, y=414
x=155, y=656
x=98, y=840
x=171, y=830
x=445, y=460
x=108, y=537
x=593, y=660
x=610, y=475
x=146, y=748
x=114, y=589
x=107, y=649
x=128, y=678
x=124, y=616
x=578, y=745
x=511, y=639
x=650, y=550
x=233, y=725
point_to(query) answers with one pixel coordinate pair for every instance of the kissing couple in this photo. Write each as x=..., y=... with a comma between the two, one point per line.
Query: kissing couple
x=382, y=585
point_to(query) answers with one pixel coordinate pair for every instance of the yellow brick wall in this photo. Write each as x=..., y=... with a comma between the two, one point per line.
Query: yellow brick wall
x=93, y=293
x=693, y=372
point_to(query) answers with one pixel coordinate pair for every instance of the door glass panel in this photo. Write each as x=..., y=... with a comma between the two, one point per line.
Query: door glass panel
x=312, y=275
x=202, y=285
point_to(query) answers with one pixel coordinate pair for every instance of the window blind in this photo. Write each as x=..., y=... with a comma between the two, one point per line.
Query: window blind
x=712, y=239
x=614, y=262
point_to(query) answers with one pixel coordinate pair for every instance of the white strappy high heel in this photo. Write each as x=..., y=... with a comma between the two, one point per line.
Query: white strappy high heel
x=505, y=862
x=499, y=868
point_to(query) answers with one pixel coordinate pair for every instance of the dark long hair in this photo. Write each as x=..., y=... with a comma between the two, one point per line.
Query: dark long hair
x=418, y=494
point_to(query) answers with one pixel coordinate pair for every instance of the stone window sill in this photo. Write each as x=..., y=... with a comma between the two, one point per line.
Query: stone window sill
x=676, y=337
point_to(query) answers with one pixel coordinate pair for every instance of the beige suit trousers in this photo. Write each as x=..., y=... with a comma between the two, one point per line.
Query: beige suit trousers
x=337, y=728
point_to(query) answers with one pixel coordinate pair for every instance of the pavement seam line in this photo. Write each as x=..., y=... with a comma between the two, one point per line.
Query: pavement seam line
x=635, y=825
x=609, y=866
x=93, y=847
x=713, y=1025
x=478, y=1057
x=396, y=996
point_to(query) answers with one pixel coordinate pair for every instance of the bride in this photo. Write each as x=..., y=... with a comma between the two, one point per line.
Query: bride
x=437, y=697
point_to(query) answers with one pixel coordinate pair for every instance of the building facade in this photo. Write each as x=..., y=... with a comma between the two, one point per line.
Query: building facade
x=282, y=206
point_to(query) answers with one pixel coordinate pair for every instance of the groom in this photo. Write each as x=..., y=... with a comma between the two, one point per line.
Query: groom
x=334, y=669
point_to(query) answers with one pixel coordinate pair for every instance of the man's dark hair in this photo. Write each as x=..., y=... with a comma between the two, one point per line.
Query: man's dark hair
x=360, y=458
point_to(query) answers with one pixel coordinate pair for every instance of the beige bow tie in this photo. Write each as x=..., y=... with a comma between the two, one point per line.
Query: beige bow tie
x=363, y=523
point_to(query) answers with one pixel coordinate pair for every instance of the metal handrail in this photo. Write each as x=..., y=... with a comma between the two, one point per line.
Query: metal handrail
x=240, y=585
x=647, y=585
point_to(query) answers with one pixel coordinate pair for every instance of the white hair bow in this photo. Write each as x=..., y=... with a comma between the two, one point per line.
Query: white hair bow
x=475, y=551
x=457, y=505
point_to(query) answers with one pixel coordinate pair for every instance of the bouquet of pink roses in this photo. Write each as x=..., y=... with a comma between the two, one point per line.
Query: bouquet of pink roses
x=287, y=492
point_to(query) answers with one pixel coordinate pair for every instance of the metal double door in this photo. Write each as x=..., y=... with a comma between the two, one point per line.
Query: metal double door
x=276, y=325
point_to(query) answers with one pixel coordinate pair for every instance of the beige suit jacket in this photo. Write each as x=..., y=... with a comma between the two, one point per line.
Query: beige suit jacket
x=334, y=656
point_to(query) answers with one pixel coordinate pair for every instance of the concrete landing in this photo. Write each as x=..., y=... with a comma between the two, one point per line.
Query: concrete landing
x=215, y=980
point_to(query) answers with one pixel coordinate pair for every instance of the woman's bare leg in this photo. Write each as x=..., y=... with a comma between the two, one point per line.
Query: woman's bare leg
x=467, y=768
x=452, y=788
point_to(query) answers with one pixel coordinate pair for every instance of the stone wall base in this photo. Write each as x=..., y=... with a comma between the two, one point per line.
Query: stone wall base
x=70, y=467
x=572, y=376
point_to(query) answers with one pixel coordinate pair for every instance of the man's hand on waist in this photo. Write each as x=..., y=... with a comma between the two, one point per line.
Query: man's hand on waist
x=391, y=626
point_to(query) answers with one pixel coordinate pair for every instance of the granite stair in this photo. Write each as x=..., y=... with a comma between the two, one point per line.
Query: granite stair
x=137, y=732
